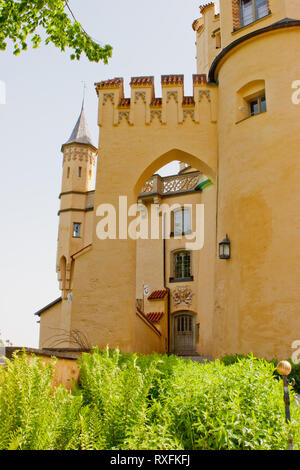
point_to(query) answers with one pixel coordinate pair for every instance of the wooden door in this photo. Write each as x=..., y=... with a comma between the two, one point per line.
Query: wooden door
x=184, y=333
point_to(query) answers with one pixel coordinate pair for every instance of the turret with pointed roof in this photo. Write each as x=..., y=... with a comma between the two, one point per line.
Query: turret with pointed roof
x=81, y=133
x=78, y=179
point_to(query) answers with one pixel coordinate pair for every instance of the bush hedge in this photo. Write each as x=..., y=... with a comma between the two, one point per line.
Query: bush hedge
x=144, y=402
x=295, y=374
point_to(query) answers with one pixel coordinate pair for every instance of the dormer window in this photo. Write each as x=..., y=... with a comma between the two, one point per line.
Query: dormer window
x=252, y=10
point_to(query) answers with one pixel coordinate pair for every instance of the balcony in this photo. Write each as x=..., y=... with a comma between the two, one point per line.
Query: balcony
x=171, y=185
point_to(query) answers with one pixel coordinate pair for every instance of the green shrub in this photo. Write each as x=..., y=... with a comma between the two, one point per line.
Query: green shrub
x=126, y=401
x=295, y=374
x=32, y=414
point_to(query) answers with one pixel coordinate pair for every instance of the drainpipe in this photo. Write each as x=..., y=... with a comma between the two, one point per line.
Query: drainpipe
x=166, y=288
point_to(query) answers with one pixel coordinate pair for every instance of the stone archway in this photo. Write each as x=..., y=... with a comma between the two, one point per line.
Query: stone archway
x=174, y=154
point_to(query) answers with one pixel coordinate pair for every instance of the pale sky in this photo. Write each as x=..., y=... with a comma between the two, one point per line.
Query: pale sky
x=43, y=101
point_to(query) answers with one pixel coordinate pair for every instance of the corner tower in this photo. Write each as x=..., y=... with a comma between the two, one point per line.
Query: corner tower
x=78, y=179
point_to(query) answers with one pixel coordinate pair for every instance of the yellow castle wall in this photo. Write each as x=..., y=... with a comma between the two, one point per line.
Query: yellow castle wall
x=257, y=296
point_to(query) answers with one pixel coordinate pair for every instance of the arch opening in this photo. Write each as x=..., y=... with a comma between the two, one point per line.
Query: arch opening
x=174, y=155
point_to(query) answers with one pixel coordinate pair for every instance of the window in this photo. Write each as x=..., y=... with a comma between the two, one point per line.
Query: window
x=76, y=230
x=79, y=171
x=182, y=221
x=68, y=172
x=182, y=266
x=184, y=323
x=252, y=10
x=257, y=105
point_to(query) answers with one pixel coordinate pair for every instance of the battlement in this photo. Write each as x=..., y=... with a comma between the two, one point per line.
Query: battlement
x=143, y=105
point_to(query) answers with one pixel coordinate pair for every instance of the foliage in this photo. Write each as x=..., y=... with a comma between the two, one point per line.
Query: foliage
x=32, y=414
x=157, y=402
x=295, y=374
x=23, y=20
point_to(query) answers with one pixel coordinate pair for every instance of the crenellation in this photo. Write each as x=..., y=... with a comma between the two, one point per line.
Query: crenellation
x=143, y=107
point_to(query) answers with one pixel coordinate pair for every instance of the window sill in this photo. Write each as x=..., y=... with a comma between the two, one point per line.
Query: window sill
x=249, y=117
x=188, y=232
x=181, y=279
x=237, y=30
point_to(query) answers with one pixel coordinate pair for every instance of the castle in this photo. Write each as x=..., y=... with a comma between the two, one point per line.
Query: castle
x=237, y=139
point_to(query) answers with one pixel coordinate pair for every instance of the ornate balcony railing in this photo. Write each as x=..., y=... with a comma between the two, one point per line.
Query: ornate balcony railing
x=162, y=186
x=169, y=185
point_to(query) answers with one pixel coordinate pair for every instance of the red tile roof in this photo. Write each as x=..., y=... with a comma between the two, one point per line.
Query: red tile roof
x=113, y=83
x=140, y=312
x=172, y=79
x=199, y=79
x=188, y=101
x=142, y=81
x=158, y=294
x=157, y=102
x=124, y=103
x=155, y=317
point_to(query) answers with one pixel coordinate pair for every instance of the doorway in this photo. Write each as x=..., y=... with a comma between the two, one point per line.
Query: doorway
x=184, y=333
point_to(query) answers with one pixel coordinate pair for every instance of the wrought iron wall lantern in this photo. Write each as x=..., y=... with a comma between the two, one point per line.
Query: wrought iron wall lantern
x=224, y=248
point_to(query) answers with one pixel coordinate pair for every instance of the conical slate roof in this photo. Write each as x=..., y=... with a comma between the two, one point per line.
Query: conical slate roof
x=81, y=133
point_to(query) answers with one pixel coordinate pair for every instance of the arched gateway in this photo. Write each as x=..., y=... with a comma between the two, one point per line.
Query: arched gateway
x=137, y=137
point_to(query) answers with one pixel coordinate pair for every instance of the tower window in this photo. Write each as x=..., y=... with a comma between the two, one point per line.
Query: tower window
x=79, y=171
x=252, y=10
x=76, y=230
x=182, y=268
x=68, y=172
x=257, y=105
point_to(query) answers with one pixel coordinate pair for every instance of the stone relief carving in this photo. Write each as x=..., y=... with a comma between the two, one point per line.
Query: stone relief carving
x=140, y=94
x=108, y=95
x=124, y=114
x=204, y=93
x=182, y=296
x=174, y=94
x=187, y=112
x=156, y=113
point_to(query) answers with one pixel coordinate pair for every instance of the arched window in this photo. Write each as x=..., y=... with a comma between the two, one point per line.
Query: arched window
x=181, y=266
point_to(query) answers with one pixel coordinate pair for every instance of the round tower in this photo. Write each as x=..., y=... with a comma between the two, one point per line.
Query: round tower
x=257, y=289
x=78, y=180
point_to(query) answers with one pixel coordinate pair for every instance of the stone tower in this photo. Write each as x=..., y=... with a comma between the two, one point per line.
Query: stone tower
x=78, y=179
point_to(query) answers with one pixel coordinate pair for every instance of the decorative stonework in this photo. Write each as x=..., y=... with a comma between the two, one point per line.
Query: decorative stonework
x=182, y=296
x=80, y=154
x=187, y=112
x=157, y=113
x=108, y=95
x=174, y=94
x=171, y=184
x=148, y=188
x=179, y=183
x=140, y=94
x=124, y=114
x=204, y=93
